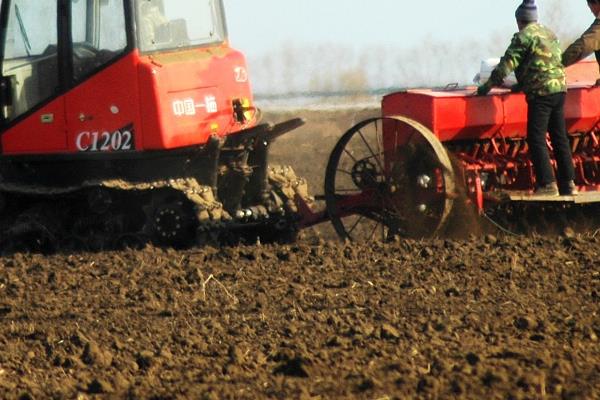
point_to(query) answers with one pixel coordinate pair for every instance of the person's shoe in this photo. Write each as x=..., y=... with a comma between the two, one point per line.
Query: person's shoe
x=549, y=189
x=568, y=189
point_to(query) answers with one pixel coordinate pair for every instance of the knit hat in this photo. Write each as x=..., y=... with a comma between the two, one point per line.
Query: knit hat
x=527, y=11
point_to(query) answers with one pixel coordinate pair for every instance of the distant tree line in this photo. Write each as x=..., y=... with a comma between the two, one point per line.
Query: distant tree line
x=330, y=67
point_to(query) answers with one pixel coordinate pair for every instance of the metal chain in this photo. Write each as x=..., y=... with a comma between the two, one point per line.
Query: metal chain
x=497, y=225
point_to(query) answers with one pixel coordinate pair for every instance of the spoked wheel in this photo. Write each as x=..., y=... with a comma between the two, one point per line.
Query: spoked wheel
x=388, y=176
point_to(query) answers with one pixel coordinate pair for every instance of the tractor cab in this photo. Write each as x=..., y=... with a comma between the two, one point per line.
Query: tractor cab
x=117, y=76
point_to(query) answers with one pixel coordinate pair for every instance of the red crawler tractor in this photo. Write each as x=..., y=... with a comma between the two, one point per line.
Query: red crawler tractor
x=132, y=120
x=402, y=173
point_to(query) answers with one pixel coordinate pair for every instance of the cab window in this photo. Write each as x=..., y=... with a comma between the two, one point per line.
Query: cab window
x=30, y=56
x=98, y=34
x=174, y=24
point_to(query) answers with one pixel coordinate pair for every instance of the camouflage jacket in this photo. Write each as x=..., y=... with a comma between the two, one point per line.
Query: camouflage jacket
x=587, y=44
x=535, y=56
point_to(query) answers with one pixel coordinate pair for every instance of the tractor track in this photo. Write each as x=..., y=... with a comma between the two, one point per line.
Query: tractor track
x=117, y=214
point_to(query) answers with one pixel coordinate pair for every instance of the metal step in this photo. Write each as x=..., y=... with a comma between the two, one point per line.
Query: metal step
x=581, y=198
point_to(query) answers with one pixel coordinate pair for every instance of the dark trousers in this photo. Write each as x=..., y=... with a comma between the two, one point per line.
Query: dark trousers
x=547, y=114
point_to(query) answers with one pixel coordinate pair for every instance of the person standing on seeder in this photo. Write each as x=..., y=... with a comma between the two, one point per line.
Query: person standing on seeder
x=535, y=57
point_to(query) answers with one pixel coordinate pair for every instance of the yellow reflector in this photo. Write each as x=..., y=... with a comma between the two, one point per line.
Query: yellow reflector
x=249, y=110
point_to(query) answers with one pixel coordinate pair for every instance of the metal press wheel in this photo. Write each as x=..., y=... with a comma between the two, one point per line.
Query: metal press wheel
x=382, y=185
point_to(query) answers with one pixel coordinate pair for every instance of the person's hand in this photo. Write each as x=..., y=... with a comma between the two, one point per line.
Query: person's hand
x=483, y=90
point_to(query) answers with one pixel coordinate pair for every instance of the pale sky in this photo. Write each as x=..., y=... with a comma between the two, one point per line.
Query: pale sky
x=337, y=45
x=259, y=25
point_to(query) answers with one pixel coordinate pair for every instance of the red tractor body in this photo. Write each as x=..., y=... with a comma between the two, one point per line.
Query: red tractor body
x=142, y=102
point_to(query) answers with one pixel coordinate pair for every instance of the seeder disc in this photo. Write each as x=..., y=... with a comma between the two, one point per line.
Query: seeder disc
x=388, y=176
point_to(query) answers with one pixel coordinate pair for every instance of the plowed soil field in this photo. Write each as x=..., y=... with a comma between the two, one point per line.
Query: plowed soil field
x=484, y=316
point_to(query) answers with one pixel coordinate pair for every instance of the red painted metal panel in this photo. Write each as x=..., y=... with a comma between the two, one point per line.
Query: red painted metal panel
x=464, y=116
x=188, y=96
x=170, y=100
x=459, y=115
x=584, y=73
x=104, y=104
x=515, y=115
x=451, y=115
x=33, y=135
x=582, y=109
